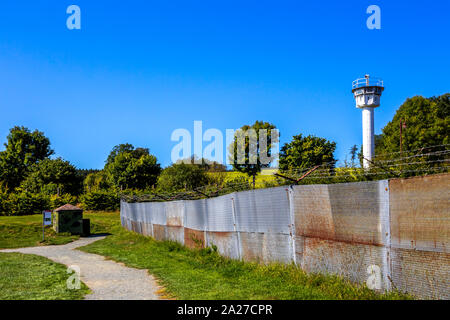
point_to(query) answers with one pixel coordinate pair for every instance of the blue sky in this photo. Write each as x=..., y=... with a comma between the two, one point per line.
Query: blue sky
x=137, y=70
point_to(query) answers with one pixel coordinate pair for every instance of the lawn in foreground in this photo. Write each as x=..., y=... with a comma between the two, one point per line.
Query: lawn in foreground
x=204, y=274
x=31, y=277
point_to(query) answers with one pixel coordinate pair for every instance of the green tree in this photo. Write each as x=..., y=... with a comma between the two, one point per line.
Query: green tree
x=23, y=150
x=133, y=169
x=251, y=163
x=53, y=177
x=305, y=152
x=97, y=181
x=182, y=177
x=354, y=154
x=83, y=173
x=427, y=123
x=205, y=164
x=120, y=148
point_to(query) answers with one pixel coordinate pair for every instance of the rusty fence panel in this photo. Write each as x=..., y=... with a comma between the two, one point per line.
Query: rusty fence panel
x=175, y=221
x=219, y=226
x=263, y=210
x=194, y=238
x=174, y=211
x=420, y=235
x=227, y=243
x=147, y=220
x=263, y=224
x=195, y=214
x=195, y=223
x=265, y=247
x=219, y=216
x=349, y=212
x=343, y=229
x=158, y=212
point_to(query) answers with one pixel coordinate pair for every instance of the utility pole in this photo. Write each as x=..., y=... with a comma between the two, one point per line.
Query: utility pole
x=402, y=126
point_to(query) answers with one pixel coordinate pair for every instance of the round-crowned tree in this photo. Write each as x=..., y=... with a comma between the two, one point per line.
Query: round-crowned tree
x=182, y=177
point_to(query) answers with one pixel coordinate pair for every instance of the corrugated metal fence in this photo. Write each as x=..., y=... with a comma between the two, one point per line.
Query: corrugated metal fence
x=396, y=230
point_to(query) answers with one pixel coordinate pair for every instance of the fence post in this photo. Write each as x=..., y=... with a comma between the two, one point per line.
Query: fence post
x=384, y=191
x=206, y=223
x=233, y=211
x=184, y=221
x=290, y=195
x=151, y=218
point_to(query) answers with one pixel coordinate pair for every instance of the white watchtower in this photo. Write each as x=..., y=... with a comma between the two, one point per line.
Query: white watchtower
x=367, y=92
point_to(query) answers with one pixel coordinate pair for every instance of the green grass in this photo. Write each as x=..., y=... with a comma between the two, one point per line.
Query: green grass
x=260, y=181
x=31, y=277
x=201, y=274
x=26, y=231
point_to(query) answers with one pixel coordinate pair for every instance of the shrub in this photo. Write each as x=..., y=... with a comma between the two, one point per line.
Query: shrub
x=58, y=201
x=25, y=203
x=182, y=177
x=100, y=200
x=239, y=183
x=4, y=203
x=51, y=176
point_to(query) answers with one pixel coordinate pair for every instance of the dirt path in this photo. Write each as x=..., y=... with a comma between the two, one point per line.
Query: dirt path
x=108, y=280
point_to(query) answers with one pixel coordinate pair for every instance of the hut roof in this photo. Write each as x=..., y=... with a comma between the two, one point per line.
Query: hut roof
x=68, y=207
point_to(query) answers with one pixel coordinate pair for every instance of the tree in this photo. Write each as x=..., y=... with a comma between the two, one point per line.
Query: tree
x=182, y=177
x=205, y=164
x=83, y=173
x=426, y=123
x=23, y=150
x=305, y=152
x=252, y=162
x=97, y=181
x=133, y=169
x=120, y=148
x=53, y=177
x=354, y=154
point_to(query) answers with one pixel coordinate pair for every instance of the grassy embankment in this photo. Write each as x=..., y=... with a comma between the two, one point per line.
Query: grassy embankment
x=203, y=274
x=263, y=178
x=26, y=231
x=31, y=277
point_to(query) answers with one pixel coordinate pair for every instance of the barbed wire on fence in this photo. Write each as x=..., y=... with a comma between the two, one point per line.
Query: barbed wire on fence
x=389, y=165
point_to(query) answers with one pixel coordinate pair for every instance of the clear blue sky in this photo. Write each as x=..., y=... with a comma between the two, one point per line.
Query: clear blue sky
x=137, y=70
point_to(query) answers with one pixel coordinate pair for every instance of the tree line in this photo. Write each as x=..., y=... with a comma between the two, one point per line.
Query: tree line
x=31, y=180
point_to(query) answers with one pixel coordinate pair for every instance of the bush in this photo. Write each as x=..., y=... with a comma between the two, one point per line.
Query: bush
x=239, y=183
x=58, y=201
x=100, y=200
x=4, y=204
x=182, y=177
x=25, y=203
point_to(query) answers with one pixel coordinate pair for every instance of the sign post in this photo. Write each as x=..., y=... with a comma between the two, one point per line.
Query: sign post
x=46, y=221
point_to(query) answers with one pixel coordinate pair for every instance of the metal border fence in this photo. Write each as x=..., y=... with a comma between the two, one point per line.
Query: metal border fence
x=397, y=229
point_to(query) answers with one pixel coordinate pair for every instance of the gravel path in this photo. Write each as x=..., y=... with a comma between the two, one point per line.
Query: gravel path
x=108, y=280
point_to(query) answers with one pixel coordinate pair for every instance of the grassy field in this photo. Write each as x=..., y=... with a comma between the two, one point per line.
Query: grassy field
x=261, y=181
x=26, y=231
x=30, y=277
x=203, y=274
